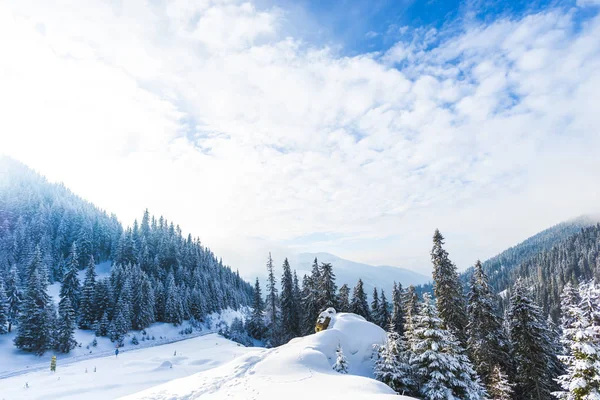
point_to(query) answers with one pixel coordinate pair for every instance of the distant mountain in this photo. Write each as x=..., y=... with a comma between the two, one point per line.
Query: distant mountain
x=347, y=271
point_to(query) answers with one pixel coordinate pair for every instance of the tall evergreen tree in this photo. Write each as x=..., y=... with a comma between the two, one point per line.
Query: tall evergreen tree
x=531, y=347
x=343, y=299
x=397, y=317
x=173, y=306
x=311, y=299
x=393, y=364
x=448, y=290
x=256, y=325
x=142, y=302
x=289, y=308
x=65, y=331
x=3, y=308
x=358, y=304
x=486, y=344
x=383, y=313
x=375, y=306
x=327, y=287
x=87, y=304
x=14, y=297
x=36, y=319
x=499, y=387
x=299, y=317
x=70, y=284
x=411, y=310
x=272, y=311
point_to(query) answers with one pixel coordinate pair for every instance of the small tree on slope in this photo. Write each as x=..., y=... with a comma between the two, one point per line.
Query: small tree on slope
x=499, y=388
x=341, y=364
x=392, y=365
x=581, y=337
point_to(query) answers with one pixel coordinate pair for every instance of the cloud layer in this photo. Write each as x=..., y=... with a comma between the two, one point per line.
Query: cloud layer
x=212, y=115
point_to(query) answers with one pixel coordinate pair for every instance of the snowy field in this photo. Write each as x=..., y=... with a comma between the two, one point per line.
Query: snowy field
x=301, y=369
x=130, y=372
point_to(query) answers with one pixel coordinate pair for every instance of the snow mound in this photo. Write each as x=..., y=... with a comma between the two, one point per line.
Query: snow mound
x=301, y=368
x=165, y=365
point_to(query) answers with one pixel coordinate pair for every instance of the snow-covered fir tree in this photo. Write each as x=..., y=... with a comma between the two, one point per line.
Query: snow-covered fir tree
x=499, y=387
x=375, y=306
x=397, y=317
x=392, y=366
x=531, y=347
x=327, y=288
x=297, y=293
x=87, y=305
x=256, y=324
x=70, y=287
x=272, y=307
x=3, y=309
x=411, y=310
x=311, y=299
x=65, y=326
x=448, y=290
x=487, y=344
x=441, y=366
x=142, y=300
x=173, y=305
x=289, y=308
x=581, y=338
x=37, y=316
x=102, y=326
x=343, y=299
x=358, y=304
x=383, y=313
x=341, y=364
x=14, y=296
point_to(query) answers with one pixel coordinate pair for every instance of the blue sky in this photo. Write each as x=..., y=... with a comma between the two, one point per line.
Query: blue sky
x=355, y=128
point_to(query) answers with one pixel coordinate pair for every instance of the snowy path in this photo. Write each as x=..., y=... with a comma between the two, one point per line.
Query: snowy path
x=131, y=372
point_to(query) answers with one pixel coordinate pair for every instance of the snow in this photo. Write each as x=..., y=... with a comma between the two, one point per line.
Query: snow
x=301, y=368
x=133, y=370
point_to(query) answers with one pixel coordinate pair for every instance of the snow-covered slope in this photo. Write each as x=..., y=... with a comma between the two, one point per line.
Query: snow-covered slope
x=347, y=271
x=301, y=369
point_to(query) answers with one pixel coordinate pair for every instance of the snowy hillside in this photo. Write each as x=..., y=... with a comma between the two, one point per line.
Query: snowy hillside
x=301, y=368
x=347, y=271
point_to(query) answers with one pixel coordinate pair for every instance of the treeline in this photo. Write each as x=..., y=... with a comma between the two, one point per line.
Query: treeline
x=157, y=274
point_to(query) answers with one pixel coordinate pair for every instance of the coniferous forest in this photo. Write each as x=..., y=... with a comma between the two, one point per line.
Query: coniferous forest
x=459, y=338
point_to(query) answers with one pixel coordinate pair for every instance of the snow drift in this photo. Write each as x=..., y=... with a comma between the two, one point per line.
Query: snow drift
x=301, y=368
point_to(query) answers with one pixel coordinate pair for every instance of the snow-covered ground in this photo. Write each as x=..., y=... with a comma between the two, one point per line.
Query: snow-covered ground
x=301, y=369
x=110, y=377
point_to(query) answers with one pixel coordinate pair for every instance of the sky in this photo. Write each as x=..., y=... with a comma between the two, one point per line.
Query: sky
x=349, y=127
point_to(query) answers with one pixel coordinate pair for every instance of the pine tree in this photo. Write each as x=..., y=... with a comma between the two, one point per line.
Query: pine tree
x=383, y=313
x=118, y=327
x=341, y=364
x=343, y=299
x=256, y=325
x=14, y=297
x=35, y=322
x=70, y=283
x=448, y=290
x=102, y=326
x=486, y=344
x=581, y=337
x=173, y=306
x=442, y=367
x=142, y=302
x=289, y=308
x=359, y=305
x=273, y=327
x=375, y=307
x=393, y=364
x=87, y=304
x=65, y=332
x=499, y=387
x=298, y=302
x=411, y=310
x=311, y=299
x=326, y=287
x=397, y=317
x=531, y=347
x=3, y=308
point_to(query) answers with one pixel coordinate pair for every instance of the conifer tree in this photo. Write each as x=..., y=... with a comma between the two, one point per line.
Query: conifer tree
x=326, y=288
x=448, y=290
x=173, y=306
x=581, y=337
x=142, y=302
x=383, y=313
x=343, y=299
x=341, y=364
x=411, y=310
x=289, y=313
x=358, y=304
x=311, y=299
x=486, y=344
x=102, y=326
x=87, y=304
x=393, y=364
x=499, y=387
x=298, y=302
x=272, y=311
x=375, y=307
x=14, y=297
x=397, y=317
x=256, y=325
x=70, y=284
x=35, y=322
x=531, y=347
x=3, y=308
x=65, y=331
x=444, y=371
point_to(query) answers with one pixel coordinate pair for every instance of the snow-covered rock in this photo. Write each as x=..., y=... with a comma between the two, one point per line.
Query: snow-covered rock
x=301, y=368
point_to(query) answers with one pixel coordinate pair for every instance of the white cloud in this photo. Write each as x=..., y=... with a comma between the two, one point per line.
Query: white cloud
x=208, y=113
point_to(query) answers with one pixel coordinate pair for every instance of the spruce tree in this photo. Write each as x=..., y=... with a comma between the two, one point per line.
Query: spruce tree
x=393, y=364
x=102, y=326
x=87, y=304
x=358, y=304
x=499, y=388
x=289, y=313
x=298, y=302
x=3, y=308
x=397, y=317
x=311, y=299
x=272, y=311
x=36, y=318
x=65, y=330
x=173, y=306
x=531, y=347
x=383, y=313
x=343, y=299
x=256, y=325
x=70, y=283
x=142, y=302
x=411, y=310
x=486, y=344
x=14, y=297
x=341, y=364
x=326, y=288
x=448, y=290
x=375, y=307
